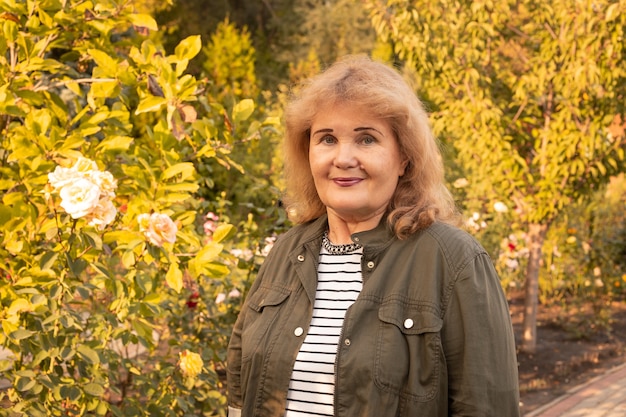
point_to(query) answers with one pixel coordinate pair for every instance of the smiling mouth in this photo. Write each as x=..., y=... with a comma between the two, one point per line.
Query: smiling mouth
x=347, y=182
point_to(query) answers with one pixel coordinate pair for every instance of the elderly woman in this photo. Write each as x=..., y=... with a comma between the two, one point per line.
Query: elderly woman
x=375, y=303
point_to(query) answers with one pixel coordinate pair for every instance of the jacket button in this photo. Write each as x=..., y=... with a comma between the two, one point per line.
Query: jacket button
x=301, y=258
x=408, y=323
x=298, y=331
x=371, y=264
x=347, y=342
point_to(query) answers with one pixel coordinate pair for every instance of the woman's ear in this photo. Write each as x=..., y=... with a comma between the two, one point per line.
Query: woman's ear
x=404, y=166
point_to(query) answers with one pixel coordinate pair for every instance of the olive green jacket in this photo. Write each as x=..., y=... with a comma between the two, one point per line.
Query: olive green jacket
x=430, y=334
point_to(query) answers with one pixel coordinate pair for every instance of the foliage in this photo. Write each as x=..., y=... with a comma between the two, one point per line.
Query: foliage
x=230, y=66
x=250, y=201
x=112, y=277
x=585, y=262
x=525, y=92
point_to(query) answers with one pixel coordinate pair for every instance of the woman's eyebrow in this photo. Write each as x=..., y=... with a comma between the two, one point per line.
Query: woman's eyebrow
x=328, y=130
x=359, y=129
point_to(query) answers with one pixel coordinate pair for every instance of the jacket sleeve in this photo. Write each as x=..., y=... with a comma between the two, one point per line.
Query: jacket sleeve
x=479, y=345
x=233, y=356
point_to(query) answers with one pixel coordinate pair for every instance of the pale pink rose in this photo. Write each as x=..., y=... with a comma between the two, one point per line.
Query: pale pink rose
x=211, y=223
x=79, y=198
x=234, y=293
x=105, y=181
x=103, y=214
x=158, y=228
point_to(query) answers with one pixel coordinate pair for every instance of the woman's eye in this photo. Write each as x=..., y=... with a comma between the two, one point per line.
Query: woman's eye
x=327, y=139
x=368, y=140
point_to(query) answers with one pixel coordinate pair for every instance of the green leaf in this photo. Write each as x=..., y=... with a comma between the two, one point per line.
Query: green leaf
x=144, y=330
x=101, y=269
x=243, y=110
x=77, y=266
x=21, y=334
x=24, y=384
x=88, y=354
x=93, y=239
x=48, y=259
x=71, y=392
x=94, y=389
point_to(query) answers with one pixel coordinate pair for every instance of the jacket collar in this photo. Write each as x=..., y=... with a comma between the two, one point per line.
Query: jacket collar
x=373, y=240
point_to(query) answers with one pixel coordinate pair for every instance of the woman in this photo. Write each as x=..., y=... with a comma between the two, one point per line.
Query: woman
x=375, y=304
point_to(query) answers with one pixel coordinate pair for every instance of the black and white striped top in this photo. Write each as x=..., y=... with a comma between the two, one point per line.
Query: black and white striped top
x=311, y=390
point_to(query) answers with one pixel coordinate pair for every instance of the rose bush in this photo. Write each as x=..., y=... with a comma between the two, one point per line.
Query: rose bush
x=108, y=275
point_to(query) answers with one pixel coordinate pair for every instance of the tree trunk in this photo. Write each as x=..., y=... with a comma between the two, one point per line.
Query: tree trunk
x=536, y=236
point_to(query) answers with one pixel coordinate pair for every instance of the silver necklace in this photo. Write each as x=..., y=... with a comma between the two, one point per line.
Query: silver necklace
x=339, y=249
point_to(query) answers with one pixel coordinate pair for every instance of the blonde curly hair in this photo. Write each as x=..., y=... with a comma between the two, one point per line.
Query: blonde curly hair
x=421, y=196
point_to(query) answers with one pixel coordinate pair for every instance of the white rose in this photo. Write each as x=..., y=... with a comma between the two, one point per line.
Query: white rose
x=80, y=198
x=103, y=214
x=62, y=177
x=500, y=207
x=158, y=228
x=220, y=298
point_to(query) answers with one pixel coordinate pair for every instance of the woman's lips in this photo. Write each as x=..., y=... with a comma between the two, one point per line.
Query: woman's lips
x=346, y=182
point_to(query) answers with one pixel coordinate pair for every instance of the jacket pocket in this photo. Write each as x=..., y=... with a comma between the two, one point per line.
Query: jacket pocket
x=408, y=352
x=263, y=309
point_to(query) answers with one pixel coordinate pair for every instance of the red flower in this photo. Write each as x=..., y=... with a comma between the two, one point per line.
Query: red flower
x=192, y=301
x=511, y=247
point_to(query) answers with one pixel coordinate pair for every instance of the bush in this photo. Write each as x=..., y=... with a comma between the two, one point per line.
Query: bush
x=117, y=296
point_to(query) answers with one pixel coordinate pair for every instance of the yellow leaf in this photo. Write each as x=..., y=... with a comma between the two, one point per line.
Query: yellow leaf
x=150, y=103
x=17, y=306
x=243, y=110
x=223, y=231
x=185, y=169
x=143, y=21
x=14, y=246
x=174, y=278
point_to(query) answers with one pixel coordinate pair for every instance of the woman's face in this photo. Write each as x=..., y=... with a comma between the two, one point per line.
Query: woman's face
x=355, y=161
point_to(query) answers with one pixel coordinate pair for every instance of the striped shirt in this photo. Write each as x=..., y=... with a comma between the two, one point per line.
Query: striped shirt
x=312, y=386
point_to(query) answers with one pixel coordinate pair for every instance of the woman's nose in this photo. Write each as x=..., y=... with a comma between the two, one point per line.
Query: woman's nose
x=345, y=156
